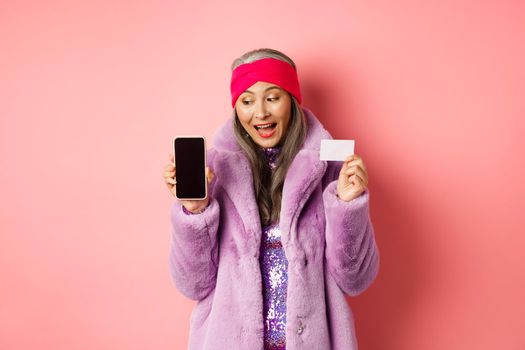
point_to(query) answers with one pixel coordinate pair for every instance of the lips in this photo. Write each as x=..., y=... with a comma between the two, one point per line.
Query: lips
x=265, y=130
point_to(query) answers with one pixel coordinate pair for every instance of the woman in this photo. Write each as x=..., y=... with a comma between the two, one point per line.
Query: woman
x=282, y=236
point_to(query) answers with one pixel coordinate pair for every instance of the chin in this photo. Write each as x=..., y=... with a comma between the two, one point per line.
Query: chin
x=267, y=143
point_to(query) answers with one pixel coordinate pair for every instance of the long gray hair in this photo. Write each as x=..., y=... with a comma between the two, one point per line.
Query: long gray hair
x=268, y=185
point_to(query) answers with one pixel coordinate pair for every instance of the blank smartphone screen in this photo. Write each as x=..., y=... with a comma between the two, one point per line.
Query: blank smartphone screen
x=190, y=167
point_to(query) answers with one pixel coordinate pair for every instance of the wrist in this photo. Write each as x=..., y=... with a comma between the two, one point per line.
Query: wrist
x=195, y=210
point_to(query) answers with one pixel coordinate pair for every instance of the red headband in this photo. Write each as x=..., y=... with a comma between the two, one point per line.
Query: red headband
x=270, y=70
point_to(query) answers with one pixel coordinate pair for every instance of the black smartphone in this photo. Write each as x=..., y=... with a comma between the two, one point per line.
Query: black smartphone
x=190, y=167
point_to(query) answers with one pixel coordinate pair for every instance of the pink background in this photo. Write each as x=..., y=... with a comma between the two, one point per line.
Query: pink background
x=92, y=93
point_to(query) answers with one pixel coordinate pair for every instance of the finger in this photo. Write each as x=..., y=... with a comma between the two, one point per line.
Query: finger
x=356, y=181
x=345, y=165
x=362, y=164
x=343, y=169
x=345, y=173
x=171, y=181
x=170, y=170
x=346, y=178
x=358, y=161
x=352, y=169
x=352, y=179
x=170, y=186
x=349, y=158
x=209, y=174
x=358, y=164
x=362, y=175
x=352, y=157
x=363, y=182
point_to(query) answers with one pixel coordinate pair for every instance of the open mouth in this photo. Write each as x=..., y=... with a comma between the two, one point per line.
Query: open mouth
x=266, y=130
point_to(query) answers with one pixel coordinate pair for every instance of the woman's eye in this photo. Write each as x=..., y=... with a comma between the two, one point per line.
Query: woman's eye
x=245, y=102
x=273, y=98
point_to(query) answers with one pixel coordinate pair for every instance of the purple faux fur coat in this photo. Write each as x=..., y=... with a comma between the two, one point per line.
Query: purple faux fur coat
x=329, y=244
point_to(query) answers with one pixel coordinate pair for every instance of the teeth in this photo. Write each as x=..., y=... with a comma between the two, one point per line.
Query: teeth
x=264, y=126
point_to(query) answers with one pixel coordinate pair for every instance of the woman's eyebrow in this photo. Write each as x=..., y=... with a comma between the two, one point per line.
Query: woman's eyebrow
x=271, y=87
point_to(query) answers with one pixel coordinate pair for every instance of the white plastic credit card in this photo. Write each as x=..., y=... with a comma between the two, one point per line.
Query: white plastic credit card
x=336, y=149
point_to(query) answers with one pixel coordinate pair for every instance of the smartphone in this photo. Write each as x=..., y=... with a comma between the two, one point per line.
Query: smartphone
x=190, y=167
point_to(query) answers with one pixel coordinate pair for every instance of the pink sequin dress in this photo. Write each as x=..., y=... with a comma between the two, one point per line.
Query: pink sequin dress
x=274, y=271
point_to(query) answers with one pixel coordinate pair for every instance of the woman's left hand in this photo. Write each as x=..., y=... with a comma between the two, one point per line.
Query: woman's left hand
x=353, y=178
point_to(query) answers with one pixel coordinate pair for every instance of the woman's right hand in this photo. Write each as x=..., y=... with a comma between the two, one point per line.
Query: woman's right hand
x=194, y=206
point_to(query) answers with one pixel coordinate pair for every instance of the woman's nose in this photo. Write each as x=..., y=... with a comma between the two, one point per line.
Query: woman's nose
x=261, y=111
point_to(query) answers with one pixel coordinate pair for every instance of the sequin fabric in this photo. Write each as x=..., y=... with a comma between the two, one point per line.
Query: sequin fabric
x=274, y=270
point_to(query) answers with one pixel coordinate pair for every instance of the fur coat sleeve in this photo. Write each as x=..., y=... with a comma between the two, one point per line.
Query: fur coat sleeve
x=351, y=251
x=193, y=258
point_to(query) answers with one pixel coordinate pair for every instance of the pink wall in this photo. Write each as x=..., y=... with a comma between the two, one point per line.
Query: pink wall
x=92, y=92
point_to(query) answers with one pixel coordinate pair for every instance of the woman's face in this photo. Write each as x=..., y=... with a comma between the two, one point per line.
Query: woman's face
x=264, y=111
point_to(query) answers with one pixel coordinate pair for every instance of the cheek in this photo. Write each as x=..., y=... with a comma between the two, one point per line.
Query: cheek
x=244, y=122
x=247, y=128
x=285, y=120
x=284, y=110
x=242, y=118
